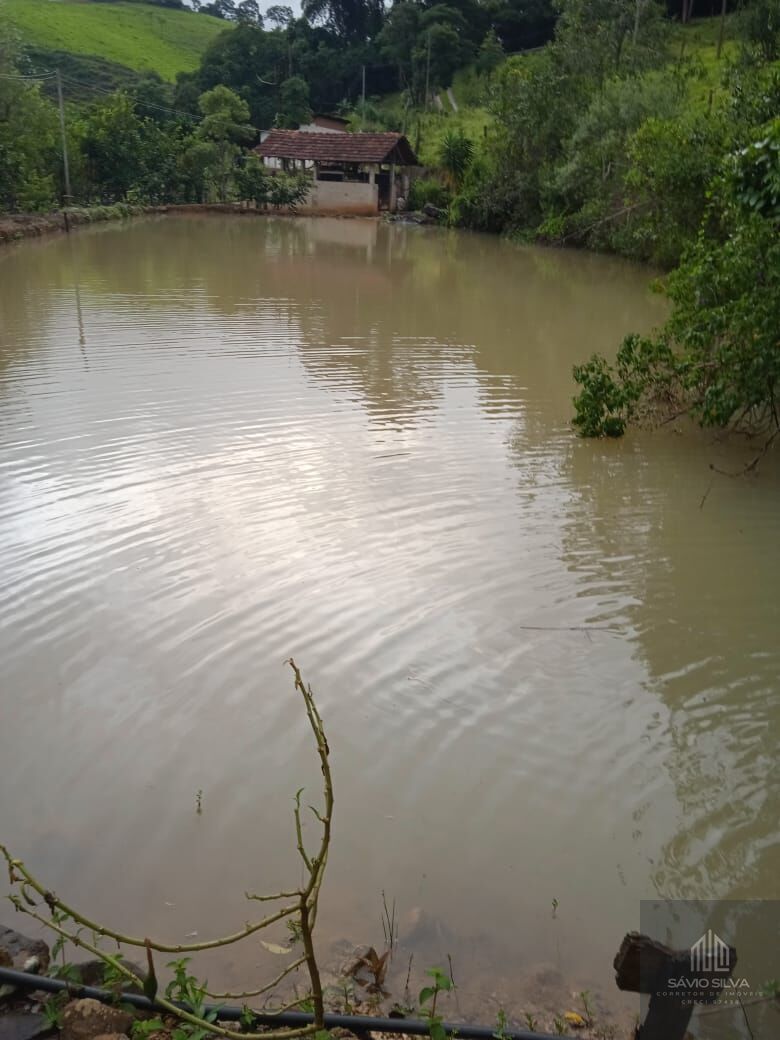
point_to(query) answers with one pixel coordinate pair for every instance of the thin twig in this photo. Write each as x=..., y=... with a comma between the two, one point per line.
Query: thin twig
x=706, y=493
x=745, y=1016
x=305, y=906
x=52, y=900
x=750, y=465
x=263, y=989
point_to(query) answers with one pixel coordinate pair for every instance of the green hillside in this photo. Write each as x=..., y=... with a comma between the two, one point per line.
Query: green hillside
x=135, y=35
x=694, y=43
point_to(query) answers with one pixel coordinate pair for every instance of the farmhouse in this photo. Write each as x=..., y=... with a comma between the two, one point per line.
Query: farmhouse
x=358, y=174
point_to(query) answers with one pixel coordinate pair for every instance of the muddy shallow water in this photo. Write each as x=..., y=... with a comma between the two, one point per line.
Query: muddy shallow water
x=548, y=670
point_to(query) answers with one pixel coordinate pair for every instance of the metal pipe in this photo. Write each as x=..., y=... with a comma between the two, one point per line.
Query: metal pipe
x=360, y=1024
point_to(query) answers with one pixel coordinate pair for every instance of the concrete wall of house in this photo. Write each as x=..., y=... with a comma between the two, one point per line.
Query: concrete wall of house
x=349, y=197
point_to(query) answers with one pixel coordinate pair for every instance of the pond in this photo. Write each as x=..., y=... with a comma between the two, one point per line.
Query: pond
x=548, y=667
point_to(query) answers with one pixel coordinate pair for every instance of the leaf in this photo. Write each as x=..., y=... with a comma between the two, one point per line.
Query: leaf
x=380, y=968
x=425, y=995
x=275, y=948
x=574, y=1019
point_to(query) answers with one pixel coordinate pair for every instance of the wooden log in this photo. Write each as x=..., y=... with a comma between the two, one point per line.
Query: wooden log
x=675, y=979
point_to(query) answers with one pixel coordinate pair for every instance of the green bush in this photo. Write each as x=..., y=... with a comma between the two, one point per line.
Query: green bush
x=601, y=407
x=425, y=191
x=645, y=370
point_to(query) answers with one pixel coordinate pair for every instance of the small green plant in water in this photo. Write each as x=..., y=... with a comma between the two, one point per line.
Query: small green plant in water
x=610, y=395
x=601, y=407
x=428, y=999
x=501, y=1024
x=587, y=1007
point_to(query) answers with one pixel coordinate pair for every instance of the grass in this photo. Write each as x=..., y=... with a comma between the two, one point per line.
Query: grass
x=434, y=125
x=697, y=42
x=426, y=129
x=135, y=35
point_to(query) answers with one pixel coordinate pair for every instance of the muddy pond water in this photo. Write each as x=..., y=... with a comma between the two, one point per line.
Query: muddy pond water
x=548, y=667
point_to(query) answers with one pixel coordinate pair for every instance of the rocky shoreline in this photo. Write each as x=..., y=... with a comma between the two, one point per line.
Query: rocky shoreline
x=17, y=226
x=27, y=1014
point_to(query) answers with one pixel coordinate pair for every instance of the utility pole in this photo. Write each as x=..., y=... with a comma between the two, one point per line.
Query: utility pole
x=428, y=73
x=65, y=167
x=363, y=102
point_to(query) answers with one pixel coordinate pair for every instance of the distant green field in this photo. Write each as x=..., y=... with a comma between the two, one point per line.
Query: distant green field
x=135, y=35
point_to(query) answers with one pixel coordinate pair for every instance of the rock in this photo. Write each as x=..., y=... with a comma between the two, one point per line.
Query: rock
x=21, y=1026
x=433, y=211
x=87, y=1019
x=112, y=1036
x=22, y=949
x=92, y=973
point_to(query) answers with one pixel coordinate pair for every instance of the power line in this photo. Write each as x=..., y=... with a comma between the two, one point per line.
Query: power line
x=51, y=74
x=103, y=90
x=138, y=101
x=26, y=79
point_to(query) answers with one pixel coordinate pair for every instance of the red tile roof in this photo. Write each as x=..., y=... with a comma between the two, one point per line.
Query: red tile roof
x=353, y=148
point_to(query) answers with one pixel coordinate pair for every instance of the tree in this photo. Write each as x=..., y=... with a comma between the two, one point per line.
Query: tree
x=28, y=135
x=398, y=39
x=153, y=98
x=352, y=20
x=112, y=145
x=250, y=62
x=596, y=38
x=225, y=127
x=522, y=24
x=279, y=16
x=442, y=46
x=719, y=352
x=196, y=164
x=253, y=181
x=491, y=53
x=248, y=11
x=294, y=107
x=225, y=9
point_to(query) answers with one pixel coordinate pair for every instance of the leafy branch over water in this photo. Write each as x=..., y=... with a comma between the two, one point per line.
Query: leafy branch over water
x=718, y=355
x=299, y=905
